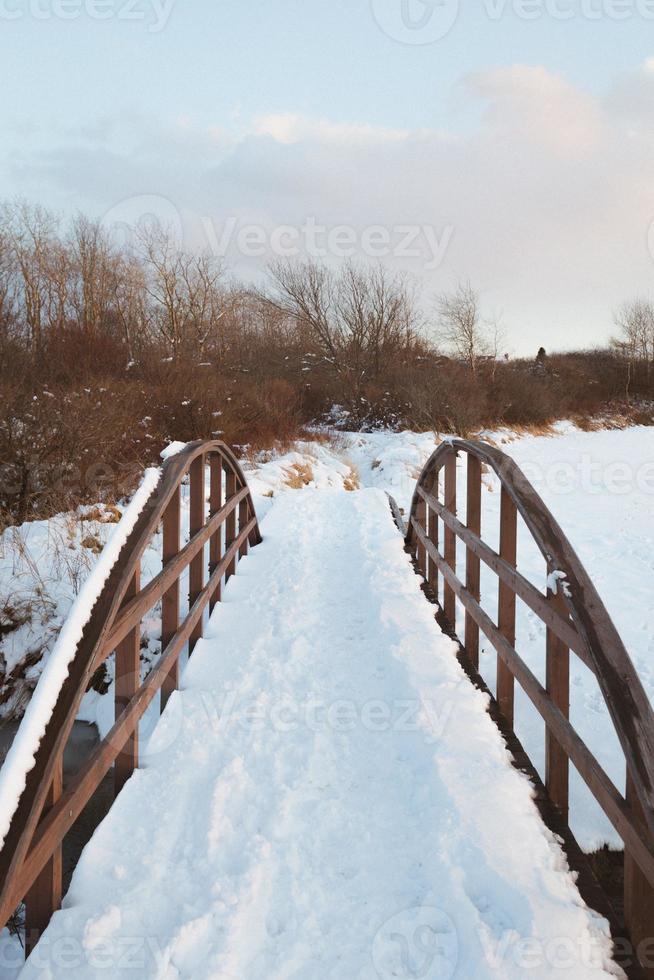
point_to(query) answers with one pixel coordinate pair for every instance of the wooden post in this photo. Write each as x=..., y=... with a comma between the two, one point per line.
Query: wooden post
x=128, y=681
x=215, y=503
x=473, y=522
x=170, y=598
x=506, y=603
x=243, y=518
x=638, y=896
x=432, y=520
x=196, y=523
x=557, y=672
x=44, y=897
x=449, y=598
x=421, y=551
x=230, y=523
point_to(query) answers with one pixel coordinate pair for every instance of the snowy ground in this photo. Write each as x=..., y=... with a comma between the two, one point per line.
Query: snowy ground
x=327, y=796
x=599, y=485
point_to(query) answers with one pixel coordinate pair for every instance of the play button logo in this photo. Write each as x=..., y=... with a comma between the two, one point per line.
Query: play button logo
x=416, y=21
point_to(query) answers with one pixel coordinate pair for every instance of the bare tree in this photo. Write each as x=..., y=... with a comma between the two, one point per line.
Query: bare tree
x=130, y=301
x=7, y=283
x=31, y=232
x=358, y=317
x=460, y=325
x=635, y=321
x=184, y=290
x=93, y=263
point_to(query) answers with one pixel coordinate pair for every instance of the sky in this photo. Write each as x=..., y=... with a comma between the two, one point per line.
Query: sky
x=508, y=142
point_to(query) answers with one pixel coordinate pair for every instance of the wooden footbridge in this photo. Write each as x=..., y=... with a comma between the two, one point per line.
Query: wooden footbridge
x=223, y=527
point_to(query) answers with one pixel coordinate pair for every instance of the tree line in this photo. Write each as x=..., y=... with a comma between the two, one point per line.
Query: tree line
x=109, y=350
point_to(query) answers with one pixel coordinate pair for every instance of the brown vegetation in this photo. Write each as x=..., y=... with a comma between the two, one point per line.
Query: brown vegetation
x=108, y=353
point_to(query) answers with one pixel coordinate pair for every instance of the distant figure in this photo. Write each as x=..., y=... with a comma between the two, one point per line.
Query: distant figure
x=540, y=364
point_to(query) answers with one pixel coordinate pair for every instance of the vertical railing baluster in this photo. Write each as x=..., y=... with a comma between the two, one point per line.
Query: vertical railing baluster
x=44, y=897
x=170, y=598
x=196, y=523
x=421, y=551
x=230, y=523
x=215, y=503
x=449, y=598
x=127, y=682
x=432, y=519
x=243, y=518
x=557, y=672
x=473, y=522
x=638, y=893
x=506, y=603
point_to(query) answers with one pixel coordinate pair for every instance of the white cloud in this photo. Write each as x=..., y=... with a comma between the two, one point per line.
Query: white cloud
x=289, y=127
x=532, y=104
x=550, y=198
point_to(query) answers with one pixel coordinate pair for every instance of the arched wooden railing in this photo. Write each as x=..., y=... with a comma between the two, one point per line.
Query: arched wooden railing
x=31, y=856
x=575, y=619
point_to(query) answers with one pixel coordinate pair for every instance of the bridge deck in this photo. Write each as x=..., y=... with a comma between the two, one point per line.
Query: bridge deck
x=326, y=797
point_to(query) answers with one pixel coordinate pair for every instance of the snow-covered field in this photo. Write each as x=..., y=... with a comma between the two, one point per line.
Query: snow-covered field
x=599, y=485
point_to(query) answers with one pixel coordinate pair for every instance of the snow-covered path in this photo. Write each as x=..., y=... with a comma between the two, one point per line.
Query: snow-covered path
x=326, y=797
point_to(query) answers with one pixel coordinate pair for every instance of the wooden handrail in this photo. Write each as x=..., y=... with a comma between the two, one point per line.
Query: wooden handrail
x=575, y=619
x=30, y=865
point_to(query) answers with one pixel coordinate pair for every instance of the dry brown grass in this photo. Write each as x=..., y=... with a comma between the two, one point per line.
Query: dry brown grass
x=92, y=543
x=352, y=481
x=299, y=475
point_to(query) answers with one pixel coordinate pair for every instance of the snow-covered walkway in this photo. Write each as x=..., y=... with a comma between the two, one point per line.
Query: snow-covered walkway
x=326, y=797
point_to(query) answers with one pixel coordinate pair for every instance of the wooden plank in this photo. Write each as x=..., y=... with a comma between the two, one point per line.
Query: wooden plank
x=63, y=815
x=604, y=791
x=230, y=523
x=473, y=523
x=506, y=602
x=421, y=554
x=196, y=523
x=44, y=897
x=127, y=682
x=558, y=687
x=215, y=506
x=432, y=532
x=523, y=588
x=449, y=505
x=136, y=608
x=638, y=892
x=170, y=598
x=243, y=518
x=397, y=516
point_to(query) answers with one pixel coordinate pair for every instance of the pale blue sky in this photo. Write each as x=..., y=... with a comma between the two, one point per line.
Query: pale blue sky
x=320, y=57
x=531, y=140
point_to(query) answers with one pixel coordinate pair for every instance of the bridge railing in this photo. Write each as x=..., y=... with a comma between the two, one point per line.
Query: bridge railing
x=31, y=855
x=575, y=620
